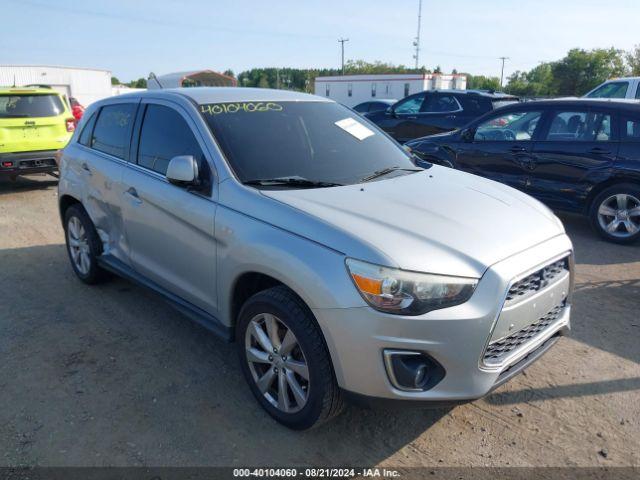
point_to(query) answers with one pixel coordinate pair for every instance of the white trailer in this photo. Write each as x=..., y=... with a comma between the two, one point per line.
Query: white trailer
x=350, y=90
x=85, y=84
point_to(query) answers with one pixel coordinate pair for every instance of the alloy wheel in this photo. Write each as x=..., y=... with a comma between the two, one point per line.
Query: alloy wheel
x=78, y=245
x=277, y=363
x=619, y=215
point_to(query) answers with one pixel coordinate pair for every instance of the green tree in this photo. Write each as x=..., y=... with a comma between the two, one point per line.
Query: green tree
x=633, y=61
x=229, y=73
x=481, y=82
x=582, y=70
x=115, y=81
x=264, y=81
x=140, y=83
x=538, y=82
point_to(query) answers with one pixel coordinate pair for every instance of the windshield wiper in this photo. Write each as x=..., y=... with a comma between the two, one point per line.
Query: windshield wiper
x=291, y=181
x=385, y=171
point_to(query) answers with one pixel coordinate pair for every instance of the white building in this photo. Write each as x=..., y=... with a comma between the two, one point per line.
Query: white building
x=351, y=90
x=85, y=84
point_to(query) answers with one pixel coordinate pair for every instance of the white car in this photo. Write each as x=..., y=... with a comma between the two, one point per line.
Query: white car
x=628, y=87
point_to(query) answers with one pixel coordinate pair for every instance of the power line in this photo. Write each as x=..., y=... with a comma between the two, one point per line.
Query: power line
x=341, y=41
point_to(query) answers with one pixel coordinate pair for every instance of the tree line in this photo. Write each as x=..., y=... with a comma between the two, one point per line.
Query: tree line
x=574, y=75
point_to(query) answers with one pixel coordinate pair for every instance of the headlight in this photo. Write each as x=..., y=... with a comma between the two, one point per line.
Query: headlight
x=410, y=293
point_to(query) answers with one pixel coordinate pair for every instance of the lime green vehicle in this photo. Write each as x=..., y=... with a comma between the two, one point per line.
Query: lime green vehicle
x=35, y=123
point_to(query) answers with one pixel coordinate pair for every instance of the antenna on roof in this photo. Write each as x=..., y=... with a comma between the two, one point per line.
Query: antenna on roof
x=152, y=76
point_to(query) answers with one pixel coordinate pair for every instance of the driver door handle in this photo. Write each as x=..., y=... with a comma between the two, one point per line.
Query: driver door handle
x=599, y=151
x=133, y=193
x=517, y=149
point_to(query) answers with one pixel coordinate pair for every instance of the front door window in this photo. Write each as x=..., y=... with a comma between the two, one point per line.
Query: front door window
x=512, y=126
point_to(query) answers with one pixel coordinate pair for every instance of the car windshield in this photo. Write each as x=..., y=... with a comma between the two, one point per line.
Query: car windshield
x=27, y=106
x=321, y=142
x=610, y=90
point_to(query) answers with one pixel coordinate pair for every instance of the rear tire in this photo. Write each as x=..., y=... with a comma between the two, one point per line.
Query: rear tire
x=269, y=325
x=83, y=245
x=615, y=213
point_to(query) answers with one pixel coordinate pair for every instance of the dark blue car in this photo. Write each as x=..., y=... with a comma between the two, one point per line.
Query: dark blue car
x=575, y=155
x=436, y=111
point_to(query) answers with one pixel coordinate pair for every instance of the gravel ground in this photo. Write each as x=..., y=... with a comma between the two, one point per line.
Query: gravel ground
x=110, y=375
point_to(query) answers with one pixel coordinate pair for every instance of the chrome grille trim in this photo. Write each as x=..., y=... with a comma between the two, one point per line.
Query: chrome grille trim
x=536, y=281
x=498, y=351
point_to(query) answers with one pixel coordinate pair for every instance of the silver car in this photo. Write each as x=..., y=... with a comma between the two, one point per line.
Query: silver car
x=290, y=225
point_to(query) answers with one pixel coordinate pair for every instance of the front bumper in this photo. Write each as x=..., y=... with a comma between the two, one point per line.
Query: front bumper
x=24, y=163
x=455, y=337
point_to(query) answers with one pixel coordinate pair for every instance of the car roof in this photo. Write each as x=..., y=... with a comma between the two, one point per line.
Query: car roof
x=203, y=95
x=31, y=90
x=481, y=93
x=620, y=79
x=621, y=103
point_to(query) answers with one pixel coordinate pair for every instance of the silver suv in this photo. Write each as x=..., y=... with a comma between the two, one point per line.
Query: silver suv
x=288, y=224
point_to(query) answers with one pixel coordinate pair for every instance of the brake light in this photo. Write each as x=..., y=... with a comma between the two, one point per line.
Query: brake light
x=71, y=124
x=7, y=164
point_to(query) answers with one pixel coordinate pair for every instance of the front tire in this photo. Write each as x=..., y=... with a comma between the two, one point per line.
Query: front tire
x=83, y=245
x=615, y=213
x=285, y=360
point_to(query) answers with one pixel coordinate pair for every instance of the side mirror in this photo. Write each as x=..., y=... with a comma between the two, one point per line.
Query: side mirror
x=390, y=111
x=468, y=134
x=183, y=170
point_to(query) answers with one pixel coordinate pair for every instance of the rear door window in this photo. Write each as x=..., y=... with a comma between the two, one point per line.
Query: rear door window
x=112, y=131
x=440, y=104
x=164, y=135
x=30, y=106
x=579, y=126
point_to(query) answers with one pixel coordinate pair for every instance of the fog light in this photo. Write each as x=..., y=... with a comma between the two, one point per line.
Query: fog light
x=412, y=371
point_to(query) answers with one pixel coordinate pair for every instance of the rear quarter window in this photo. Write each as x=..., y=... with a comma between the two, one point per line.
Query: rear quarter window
x=630, y=128
x=85, y=135
x=30, y=106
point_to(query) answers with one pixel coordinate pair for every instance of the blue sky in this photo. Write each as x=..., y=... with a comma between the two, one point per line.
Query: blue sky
x=132, y=38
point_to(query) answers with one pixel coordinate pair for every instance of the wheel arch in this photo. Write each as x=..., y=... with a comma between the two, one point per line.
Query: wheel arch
x=245, y=286
x=602, y=186
x=65, y=202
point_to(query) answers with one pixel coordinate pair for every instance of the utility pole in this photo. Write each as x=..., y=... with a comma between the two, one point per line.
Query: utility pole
x=341, y=41
x=502, y=72
x=416, y=42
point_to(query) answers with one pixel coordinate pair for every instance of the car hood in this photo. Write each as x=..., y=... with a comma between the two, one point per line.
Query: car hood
x=439, y=220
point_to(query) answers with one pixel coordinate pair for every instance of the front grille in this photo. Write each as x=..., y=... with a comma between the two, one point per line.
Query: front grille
x=537, y=280
x=501, y=348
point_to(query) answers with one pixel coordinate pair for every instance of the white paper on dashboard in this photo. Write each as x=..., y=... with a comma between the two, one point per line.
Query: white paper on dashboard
x=355, y=128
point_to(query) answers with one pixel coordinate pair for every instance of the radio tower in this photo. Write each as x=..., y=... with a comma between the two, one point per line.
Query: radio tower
x=416, y=42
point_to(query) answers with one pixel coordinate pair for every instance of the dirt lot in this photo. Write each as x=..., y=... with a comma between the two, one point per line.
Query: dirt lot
x=111, y=375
